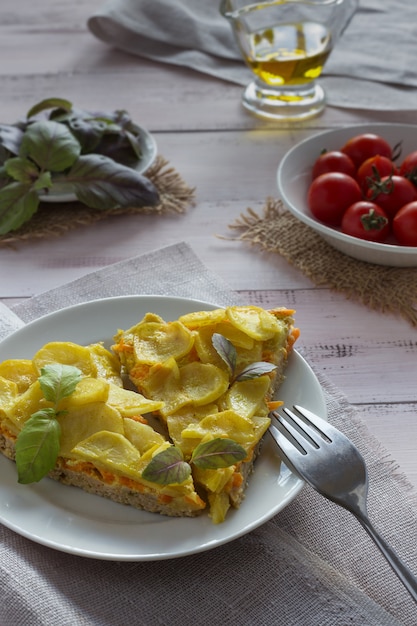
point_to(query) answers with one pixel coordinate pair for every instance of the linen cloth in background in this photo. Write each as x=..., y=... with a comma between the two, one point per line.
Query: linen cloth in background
x=311, y=565
x=371, y=67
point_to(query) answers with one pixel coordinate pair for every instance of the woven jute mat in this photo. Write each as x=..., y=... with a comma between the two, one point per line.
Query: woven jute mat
x=56, y=219
x=384, y=289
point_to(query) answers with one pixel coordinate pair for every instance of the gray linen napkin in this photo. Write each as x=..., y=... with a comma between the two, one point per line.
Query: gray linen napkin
x=372, y=66
x=310, y=565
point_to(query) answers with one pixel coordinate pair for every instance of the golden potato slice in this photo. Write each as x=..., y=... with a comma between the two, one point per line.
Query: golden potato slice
x=131, y=403
x=214, y=479
x=261, y=425
x=8, y=392
x=223, y=424
x=204, y=347
x=248, y=396
x=79, y=423
x=254, y=321
x=142, y=436
x=198, y=319
x=66, y=353
x=20, y=371
x=163, y=384
x=26, y=404
x=219, y=505
x=203, y=383
x=187, y=416
x=155, y=342
x=107, y=364
x=111, y=450
x=238, y=338
x=87, y=391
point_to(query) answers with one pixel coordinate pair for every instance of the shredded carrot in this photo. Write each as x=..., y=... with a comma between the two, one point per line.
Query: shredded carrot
x=274, y=404
x=138, y=418
x=123, y=347
x=140, y=372
x=132, y=484
x=237, y=480
x=164, y=499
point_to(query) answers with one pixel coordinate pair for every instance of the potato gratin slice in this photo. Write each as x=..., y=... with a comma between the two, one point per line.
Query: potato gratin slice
x=180, y=437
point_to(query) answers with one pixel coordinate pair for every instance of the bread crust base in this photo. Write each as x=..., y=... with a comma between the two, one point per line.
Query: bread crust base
x=93, y=482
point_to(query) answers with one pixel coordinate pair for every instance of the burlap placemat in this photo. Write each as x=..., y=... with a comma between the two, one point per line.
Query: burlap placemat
x=384, y=289
x=56, y=219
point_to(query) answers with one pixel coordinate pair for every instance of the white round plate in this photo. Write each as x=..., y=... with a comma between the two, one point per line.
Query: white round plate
x=73, y=521
x=63, y=193
x=294, y=179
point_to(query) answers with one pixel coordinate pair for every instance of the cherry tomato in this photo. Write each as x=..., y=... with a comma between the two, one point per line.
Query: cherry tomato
x=409, y=167
x=333, y=161
x=392, y=193
x=374, y=168
x=362, y=147
x=404, y=225
x=366, y=220
x=330, y=195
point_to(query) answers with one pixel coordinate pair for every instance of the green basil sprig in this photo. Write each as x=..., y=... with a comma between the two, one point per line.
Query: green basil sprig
x=93, y=155
x=37, y=445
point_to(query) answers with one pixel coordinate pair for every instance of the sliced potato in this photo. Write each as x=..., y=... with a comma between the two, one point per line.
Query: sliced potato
x=66, y=353
x=20, y=371
x=254, y=321
x=131, y=403
x=142, y=436
x=8, y=392
x=88, y=390
x=223, y=424
x=26, y=404
x=154, y=342
x=198, y=319
x=203, y=383
x=79, y=423
x=111, y=450
x=107, y=364
x=248, y=396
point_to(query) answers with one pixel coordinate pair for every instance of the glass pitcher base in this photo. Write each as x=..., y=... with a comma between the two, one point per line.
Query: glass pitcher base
x=284, y=104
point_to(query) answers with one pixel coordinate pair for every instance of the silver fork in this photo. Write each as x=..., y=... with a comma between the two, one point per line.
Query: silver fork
x=329, y=462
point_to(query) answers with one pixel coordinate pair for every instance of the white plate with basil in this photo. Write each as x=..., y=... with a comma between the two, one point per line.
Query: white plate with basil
x=73, y=521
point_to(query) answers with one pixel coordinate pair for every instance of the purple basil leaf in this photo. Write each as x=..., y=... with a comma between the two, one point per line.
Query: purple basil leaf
x=218, y=453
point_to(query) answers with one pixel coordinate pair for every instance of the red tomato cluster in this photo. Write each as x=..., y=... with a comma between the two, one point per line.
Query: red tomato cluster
x=362, y=191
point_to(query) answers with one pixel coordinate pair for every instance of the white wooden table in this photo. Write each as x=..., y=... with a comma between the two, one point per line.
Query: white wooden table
x=231, y=159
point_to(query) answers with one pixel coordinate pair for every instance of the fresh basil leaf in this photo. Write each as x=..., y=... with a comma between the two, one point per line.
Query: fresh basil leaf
x=18, y=202
x=101, y=183
x=255, y=369
x=88, y=132
x=59, y=381
x=11, y=138
x=218, y=453
x=22, y=170
x=167, y=467
x=37, y=446
x=226, y=350
x=118, y=147
x=44, y=182
x=49, y=103
x=134, y=143
x=51, y=145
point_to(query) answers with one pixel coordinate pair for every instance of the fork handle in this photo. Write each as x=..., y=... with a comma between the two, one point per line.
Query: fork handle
x=404, y=574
